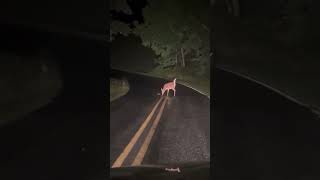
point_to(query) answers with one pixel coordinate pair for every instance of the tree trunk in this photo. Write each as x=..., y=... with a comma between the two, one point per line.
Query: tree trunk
x=182, y=58
x=176, y=57
x=229, y=6
x=212, y=2
x=236, y=7
x=297, y=22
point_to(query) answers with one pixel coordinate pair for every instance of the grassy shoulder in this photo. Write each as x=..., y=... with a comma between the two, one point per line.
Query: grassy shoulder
x=192, y=75
x=118, y=88
x=185, y=76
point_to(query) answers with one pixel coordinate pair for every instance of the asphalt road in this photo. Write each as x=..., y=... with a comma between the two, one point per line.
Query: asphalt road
x=183, y=131
x=260, y=133
x=67, y=138
x=55, y=142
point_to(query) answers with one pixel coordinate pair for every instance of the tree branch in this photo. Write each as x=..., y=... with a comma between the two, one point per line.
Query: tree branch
x=205, y=27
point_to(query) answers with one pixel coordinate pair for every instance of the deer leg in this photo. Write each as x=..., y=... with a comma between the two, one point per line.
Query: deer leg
x=168, y=92
x=174, y=92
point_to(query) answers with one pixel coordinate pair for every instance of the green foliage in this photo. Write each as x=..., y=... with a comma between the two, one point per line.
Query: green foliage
x=119, y=28
x=171, y=25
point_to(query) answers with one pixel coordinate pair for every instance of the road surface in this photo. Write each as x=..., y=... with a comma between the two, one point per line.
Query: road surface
x=260, y=133
x=181, y=135
x=67, y=138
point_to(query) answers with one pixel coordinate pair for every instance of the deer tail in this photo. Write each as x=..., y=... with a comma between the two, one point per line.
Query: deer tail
x=174, y=81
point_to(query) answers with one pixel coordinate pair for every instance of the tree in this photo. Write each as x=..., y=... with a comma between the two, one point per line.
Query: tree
x=174, y=30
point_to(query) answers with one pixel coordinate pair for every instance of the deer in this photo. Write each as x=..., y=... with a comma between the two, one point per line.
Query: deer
x=170, y=85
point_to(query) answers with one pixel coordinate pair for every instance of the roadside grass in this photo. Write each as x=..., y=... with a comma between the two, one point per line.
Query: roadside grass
x=143, y=63
x=187, y=76
x=118, y=88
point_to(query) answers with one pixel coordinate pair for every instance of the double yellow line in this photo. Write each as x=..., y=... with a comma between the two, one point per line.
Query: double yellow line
x=143, y=149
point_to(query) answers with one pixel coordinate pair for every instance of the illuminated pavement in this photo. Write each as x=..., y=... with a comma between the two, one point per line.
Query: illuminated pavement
x=183, y=132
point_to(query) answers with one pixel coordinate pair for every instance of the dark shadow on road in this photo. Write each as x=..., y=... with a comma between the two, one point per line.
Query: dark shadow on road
x=260, y=133
x=67, y=139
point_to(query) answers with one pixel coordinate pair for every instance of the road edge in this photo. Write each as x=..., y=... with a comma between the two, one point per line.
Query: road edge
x=119, y=95
x=313, y=109
x=181, y=83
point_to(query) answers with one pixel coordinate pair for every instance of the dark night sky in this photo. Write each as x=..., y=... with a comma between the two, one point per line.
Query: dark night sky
x=136, y=7
x=68, y=15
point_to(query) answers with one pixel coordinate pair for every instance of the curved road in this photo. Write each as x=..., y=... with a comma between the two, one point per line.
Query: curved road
x=183, y=131
x=67, y=138
x=260, y=133
x=255, y=131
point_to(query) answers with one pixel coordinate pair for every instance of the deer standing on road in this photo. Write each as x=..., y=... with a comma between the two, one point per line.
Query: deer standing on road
x=168, y=86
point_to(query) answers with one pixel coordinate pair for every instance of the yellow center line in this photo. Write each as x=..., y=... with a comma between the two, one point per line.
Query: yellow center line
x=135, y=138
x=139, y=158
